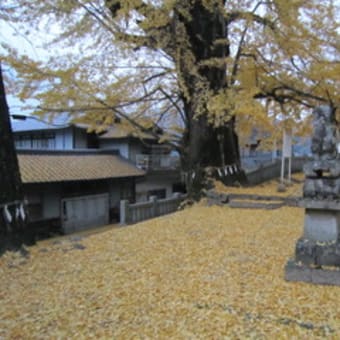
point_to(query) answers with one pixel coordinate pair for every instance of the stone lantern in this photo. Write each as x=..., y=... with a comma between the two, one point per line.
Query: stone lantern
x=317, y=252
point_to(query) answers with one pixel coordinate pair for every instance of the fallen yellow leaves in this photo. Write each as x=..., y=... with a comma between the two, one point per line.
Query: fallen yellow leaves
x=201, y=273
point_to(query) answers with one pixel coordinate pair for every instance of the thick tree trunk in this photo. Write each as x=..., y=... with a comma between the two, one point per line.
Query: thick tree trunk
x=12, y=212
x=208, y=150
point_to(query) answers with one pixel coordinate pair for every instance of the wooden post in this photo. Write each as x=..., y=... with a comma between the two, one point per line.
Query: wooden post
x=154, y=201
x=290, y=170
x=125, y=217
x=282, y=169
x=286, y=153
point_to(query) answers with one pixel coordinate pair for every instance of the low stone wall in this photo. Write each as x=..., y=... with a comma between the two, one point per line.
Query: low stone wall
x=250, y=201
x=273, y=170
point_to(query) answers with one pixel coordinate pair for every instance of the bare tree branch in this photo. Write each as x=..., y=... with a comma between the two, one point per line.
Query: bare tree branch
x=239, y=15
x=175, y=104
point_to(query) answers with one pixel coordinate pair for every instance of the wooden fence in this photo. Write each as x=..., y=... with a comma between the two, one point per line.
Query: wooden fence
x=133, y=213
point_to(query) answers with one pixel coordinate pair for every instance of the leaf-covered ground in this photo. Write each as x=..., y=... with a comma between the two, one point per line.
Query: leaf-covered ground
x=202, y=273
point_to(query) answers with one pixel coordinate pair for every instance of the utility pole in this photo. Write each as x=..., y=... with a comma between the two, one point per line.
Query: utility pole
x=13, y=231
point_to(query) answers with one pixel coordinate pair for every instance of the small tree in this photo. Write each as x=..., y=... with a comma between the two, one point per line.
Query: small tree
x=12, y=211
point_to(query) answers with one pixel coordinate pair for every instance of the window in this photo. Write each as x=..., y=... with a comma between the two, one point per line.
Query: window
x=159, y=193
x=23, y=141
x=44, y=140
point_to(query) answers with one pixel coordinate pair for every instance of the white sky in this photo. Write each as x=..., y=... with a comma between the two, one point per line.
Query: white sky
x=9, y=36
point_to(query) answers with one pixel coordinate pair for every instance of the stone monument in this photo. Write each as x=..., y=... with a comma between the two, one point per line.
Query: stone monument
x=317, y=253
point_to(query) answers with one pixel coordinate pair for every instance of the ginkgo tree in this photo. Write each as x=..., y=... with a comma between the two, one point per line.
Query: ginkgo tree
x=188, y=72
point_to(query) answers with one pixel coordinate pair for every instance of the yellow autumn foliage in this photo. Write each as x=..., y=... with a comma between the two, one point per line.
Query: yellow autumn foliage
x=136, y=57
x=202, y=273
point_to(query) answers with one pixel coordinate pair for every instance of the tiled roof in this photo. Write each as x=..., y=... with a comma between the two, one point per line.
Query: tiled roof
x=42, y=168
x=116, y=133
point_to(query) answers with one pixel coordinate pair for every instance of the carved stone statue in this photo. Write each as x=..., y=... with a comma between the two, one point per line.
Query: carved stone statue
x=324, y=141
x=322, y=173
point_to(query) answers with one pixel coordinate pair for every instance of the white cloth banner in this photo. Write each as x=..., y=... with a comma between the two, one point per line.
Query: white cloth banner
x=287, y=144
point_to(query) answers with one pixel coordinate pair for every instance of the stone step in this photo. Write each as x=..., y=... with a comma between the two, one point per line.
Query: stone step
x=246, y=201
x=255, y=205
x=256, y=197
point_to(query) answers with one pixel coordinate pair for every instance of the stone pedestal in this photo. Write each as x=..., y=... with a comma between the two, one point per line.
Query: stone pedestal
x=317, y=252
x=319, y=245
x=303, y=273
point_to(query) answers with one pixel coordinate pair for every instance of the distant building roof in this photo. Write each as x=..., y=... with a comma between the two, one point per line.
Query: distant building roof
x=64, y=120
x=33, y=123
x=60, y=167
x=116, y=133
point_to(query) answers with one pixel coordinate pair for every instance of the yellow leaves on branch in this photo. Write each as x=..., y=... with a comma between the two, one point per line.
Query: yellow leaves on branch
x=239, y=103
x=134, y=37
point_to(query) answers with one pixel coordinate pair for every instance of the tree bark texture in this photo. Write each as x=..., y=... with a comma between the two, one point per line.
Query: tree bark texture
x=206, y=146
x=12, y=210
